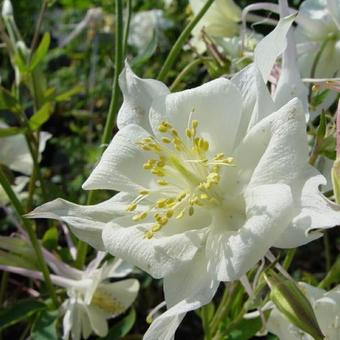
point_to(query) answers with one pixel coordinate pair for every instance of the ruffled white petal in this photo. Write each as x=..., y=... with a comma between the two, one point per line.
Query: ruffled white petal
x=158, y=256
x=121, y=165
x=87, y=222
x=138, y=95
x=196, y=289
x=212, y=103
x=97, y=320
x=232, y=253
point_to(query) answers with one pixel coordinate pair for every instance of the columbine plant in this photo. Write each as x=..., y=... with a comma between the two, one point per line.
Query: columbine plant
x=209, y=179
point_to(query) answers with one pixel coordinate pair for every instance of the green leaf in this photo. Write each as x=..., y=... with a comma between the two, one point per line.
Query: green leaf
x=50, y=239
x=322, y=126
x=63, y=97
x=11, y=131
x=45, y=328
x=8, y=101
x=41, y=116
x=245, y=329
x=40, y=52
x=19, y=312
x=121, y=328
x=147, y=53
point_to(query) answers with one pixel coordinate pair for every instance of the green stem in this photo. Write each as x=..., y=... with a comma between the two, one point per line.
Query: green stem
x=333, y=275
x=205, y=322
x=185, y=71
x=328, y=259
x=3, y=287
x=127, y=26
x=118, y=67
x=181, y=41
x=289, y=258
x=38, y=25
x=27, y=224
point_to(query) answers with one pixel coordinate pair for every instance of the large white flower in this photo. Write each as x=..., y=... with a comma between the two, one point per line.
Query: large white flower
x=319, y=31
x=221, y=20
x=326, y=306
x=209, y=179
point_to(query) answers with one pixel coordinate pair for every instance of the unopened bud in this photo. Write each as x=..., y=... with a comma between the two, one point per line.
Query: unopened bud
x=292, y=303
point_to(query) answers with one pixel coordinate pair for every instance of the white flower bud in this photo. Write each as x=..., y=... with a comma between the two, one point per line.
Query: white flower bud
x=7, y=9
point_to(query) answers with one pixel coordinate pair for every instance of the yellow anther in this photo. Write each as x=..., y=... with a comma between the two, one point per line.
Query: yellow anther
x=181, y=196
x=194, y=123
x=205, y=146
x=166, y=140
x=194, y=200
x=162, y=182
x=131, y=207
x=148, y=165
x=204, y=196
x=140, y=216
x=174, y=132
x=144, y=192
x=156, y=227
x=219, y=156
x=158, y=172
x=148, y=234
x=181, y=214
x=191, y=210
x=161, y=203
x=164, y=127
x=188, y=132
x=169, y=213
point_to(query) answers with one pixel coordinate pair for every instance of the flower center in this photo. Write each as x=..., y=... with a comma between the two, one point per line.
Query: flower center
x=185, y=176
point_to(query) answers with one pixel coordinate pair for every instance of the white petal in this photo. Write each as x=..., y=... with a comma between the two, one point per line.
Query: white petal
x=195, y=293
x=313, y=212
x=271, y=46
x=232, y=253
x=256, y=100
x=334, y=11
x=121, y=165
x=138, y=95
x=122, y=293
x=216, y=105
x=97, y=320
x=87, y=222
x=286, y=156
x=158, y=255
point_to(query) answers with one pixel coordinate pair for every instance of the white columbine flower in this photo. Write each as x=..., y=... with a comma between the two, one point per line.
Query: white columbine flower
x=209, y=179
x=326, y=306
x=91, y=298
x=221, y=20
x=144, y=25
x=319, y=29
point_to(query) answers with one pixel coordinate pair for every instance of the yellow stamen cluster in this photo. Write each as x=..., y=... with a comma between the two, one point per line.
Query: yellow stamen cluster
x=187, y=159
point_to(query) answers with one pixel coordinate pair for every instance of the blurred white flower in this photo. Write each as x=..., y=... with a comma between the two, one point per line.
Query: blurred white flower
x=209, y=179
x=221, y=20
x=7, y=9
x=326, y=306
x=14, y=153
x=91, y=298
x=318, y=31
x=144, y=25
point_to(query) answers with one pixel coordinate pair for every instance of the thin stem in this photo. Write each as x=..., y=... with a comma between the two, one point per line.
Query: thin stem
x=181, y=40
x=118, y=67
x=127, y=26
x=205, y=322
x=27, y=224
x=333, y=275
x=3, y=287
x=328, y=259
x=185, y=71
x=289, y=258
x=38, y=25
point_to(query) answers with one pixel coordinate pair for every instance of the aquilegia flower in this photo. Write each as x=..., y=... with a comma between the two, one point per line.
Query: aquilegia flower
x=318, y=33
x=209, y=179
x=326, y=306
x=221, y=20
x=91, y=298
